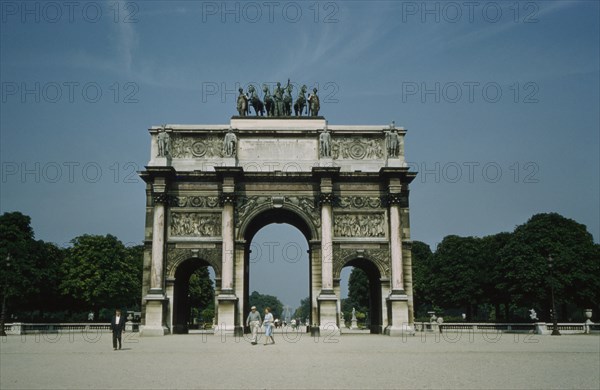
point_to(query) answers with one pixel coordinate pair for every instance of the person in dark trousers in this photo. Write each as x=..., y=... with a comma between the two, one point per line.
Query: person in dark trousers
x=117, y=325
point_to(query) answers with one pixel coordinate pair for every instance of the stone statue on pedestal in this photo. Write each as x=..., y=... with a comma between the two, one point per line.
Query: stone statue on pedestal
x=392, y=141
x=229, y=144
x=353, y=322
x=164, y=142
x=325, y=143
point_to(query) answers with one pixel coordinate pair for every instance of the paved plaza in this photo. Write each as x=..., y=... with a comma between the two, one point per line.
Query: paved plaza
x=456, y=361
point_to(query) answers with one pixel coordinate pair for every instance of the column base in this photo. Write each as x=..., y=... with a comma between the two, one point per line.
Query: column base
x=397, y=304
x=328, y=315
x=154, y=320
x=148, y=331
x=227, y=305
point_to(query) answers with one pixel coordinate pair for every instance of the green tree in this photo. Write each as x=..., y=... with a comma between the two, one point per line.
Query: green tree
x=202, y=293
x=262, y=301
x=17, y=263
x=457, y=280
x=303, y=312
x=100, y=272
x=493, y=275
x=575, y=275
x=358, y=293
x=421, y=259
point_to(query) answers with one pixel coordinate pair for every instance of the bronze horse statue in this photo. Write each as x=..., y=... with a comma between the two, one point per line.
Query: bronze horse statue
x=269, y=103
x=257, y=105
x=300, y=101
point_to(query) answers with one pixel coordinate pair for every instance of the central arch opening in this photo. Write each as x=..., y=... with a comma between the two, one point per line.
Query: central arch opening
x=277, y=267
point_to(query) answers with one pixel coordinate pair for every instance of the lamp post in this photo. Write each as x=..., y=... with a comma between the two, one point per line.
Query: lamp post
x=3, y=315
x=555, y=331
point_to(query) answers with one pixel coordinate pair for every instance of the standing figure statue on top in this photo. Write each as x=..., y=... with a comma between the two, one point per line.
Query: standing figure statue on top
x=242, y=103
x=287, y=100
x=313, y=103
x=278, y=99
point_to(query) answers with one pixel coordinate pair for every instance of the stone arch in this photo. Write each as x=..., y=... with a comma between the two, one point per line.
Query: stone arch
x=380, y=258
x=177, y=256
x=278, y=210
x=267, y=213
x=179, y=279
x=372, y=268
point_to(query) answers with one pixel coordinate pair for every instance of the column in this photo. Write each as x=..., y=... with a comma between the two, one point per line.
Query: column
x=327, y=300
x=227, y=300
x=326, y=243
x=154, y=322
x=397, y=301
x=396, y=244
x=228, y=243
x=158, y=244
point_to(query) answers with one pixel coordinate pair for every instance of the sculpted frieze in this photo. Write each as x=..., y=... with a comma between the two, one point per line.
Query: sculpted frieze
x=193, y=224
x=357, y=148
x=358, y=202
x=196, y=147
x=359, y=225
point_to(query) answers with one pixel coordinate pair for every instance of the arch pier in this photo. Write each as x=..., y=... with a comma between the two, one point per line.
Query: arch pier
x=210, y=188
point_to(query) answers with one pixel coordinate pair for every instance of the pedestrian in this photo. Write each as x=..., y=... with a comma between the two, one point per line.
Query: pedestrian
x=253, y=321
x=268, y=326
x=117, y=325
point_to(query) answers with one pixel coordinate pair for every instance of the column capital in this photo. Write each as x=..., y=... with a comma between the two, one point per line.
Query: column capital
x=161, y=198
x=394, y=199
x=227, y=198
x=326, y=198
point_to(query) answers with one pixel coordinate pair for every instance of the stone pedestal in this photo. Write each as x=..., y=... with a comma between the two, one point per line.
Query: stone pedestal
x=328, y=314
x=354, y=324
x=326, y=162
x=394, y=163
x=541, y=328
x=154, y=325
x=229, y=162
x=160, y=162
x=398, y=311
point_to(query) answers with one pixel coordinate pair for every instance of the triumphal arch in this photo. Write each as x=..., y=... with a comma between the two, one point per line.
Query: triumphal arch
x=210, y=188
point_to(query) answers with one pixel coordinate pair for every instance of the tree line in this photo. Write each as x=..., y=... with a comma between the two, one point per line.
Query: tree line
x=492, y=278
x=43, y=282
x=501, y=276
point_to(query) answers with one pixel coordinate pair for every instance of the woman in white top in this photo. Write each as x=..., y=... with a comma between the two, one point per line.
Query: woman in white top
x=268, y=323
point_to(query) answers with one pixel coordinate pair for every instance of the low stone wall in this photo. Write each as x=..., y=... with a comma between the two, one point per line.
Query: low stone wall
x=537, y=328
x=19, y=328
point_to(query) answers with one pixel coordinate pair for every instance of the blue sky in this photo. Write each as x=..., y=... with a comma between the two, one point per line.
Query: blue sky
x=500, y=100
